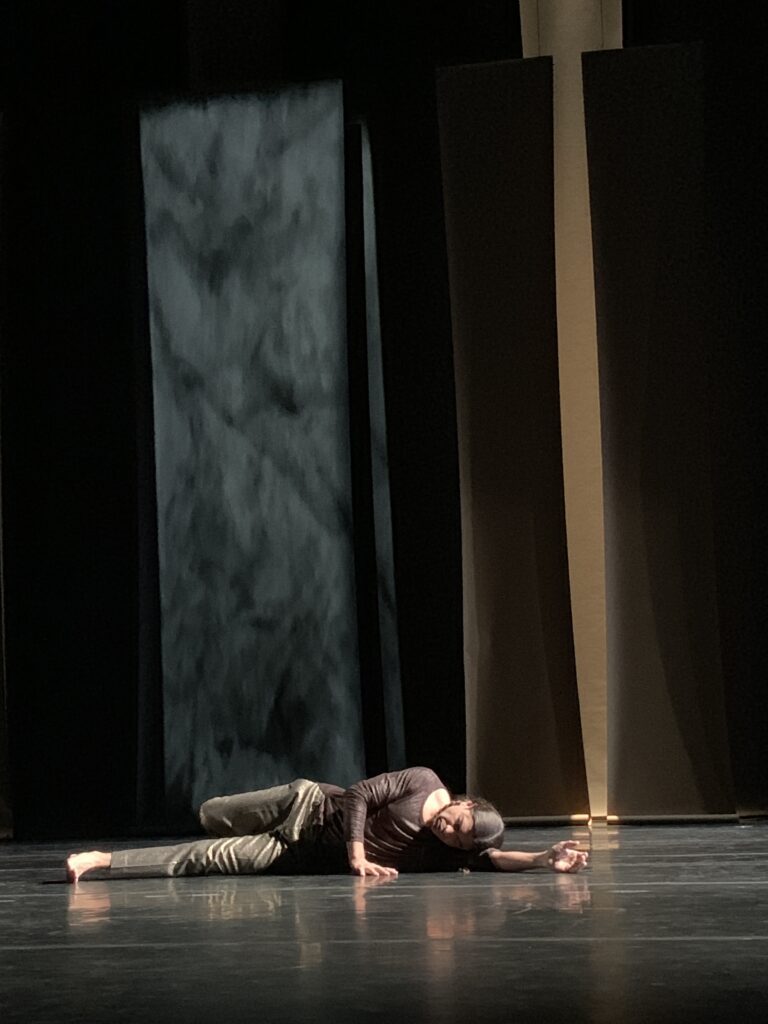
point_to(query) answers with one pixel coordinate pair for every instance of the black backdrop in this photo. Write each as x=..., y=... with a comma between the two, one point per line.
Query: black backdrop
x=80, y=596
x=734, y=39
x=82, y=651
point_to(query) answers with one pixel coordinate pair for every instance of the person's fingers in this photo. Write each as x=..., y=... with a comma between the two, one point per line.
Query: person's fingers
x=569, y=852
x=570, y=861
x=371, y=870
x=379, y=871
x=576, y=860
x=382, y=880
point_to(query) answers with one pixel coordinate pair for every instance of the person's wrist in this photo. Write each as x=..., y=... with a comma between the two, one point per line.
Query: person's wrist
x=355, y=853
x=542, y=860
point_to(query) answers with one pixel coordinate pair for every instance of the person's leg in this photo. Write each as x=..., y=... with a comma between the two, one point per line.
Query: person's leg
x=264, y=810
x=250, y=854
x=238, y=855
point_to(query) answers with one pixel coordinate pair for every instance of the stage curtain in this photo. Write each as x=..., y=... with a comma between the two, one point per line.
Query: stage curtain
x=525, y=743
x=245, y=254
x=668, y=737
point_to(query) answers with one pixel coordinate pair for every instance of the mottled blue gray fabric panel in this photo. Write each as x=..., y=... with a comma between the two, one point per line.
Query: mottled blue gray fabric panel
x=245, y=247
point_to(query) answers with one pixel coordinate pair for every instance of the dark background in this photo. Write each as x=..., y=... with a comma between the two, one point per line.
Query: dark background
x=80, y=588
x=702, y=408
x=82, y=628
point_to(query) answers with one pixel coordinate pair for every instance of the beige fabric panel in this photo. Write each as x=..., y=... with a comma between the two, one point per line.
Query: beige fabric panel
x=564, y=29
x=525, y=748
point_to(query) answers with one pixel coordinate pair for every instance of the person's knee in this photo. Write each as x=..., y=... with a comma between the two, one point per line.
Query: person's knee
x=212, y=816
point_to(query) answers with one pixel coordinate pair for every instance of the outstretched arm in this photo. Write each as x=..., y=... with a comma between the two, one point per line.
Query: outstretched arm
x=566, y=856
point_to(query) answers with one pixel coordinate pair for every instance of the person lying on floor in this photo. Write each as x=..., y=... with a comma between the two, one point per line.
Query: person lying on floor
x=399, y=821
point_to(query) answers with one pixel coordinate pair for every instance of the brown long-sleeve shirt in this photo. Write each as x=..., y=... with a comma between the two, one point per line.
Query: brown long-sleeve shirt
x=384, y=813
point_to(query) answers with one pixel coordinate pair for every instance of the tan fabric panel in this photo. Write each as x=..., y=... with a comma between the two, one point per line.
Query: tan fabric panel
x=525, y=747
x=563, y=29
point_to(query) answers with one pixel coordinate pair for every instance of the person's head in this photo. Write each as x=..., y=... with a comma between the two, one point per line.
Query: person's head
x=469, y=823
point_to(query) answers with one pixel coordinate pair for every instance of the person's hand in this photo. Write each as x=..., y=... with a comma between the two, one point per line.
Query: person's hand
x=366, y=868
x=566, y=856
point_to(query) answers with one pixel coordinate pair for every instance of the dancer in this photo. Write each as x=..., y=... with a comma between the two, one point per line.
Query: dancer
x=399, y=821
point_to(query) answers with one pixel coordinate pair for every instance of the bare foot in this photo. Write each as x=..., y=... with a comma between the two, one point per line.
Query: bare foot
x=79, y=863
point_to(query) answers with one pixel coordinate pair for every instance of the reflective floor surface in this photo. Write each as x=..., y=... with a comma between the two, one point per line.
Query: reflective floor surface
x=668, y=925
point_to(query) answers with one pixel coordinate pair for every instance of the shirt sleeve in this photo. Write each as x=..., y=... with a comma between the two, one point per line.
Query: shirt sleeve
x=481, y=862
x=368, y=795
x=435, y=856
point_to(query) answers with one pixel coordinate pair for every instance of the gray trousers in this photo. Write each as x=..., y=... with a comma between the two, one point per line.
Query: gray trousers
x=253, y=830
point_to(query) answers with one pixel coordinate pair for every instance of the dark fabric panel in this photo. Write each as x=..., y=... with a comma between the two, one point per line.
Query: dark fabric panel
x=738, y=166
x=363, y=523
x=68, y=415
x=5, y=780
x=668, y=747
x=381, y=499
x=151, y=811
x=735, y=129
x=68, y=466
x=496, y=133
x=421, y=422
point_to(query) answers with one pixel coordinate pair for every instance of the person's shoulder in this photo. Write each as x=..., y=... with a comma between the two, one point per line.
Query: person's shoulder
x=422, y=777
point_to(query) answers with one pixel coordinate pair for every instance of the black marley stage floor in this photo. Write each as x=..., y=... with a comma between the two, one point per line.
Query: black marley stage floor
x=670, y=924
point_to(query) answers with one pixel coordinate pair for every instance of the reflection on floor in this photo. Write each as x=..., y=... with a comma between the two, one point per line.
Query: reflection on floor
x=668, y=925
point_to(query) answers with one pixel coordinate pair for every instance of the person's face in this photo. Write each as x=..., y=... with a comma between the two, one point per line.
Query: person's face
x=454, y=825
